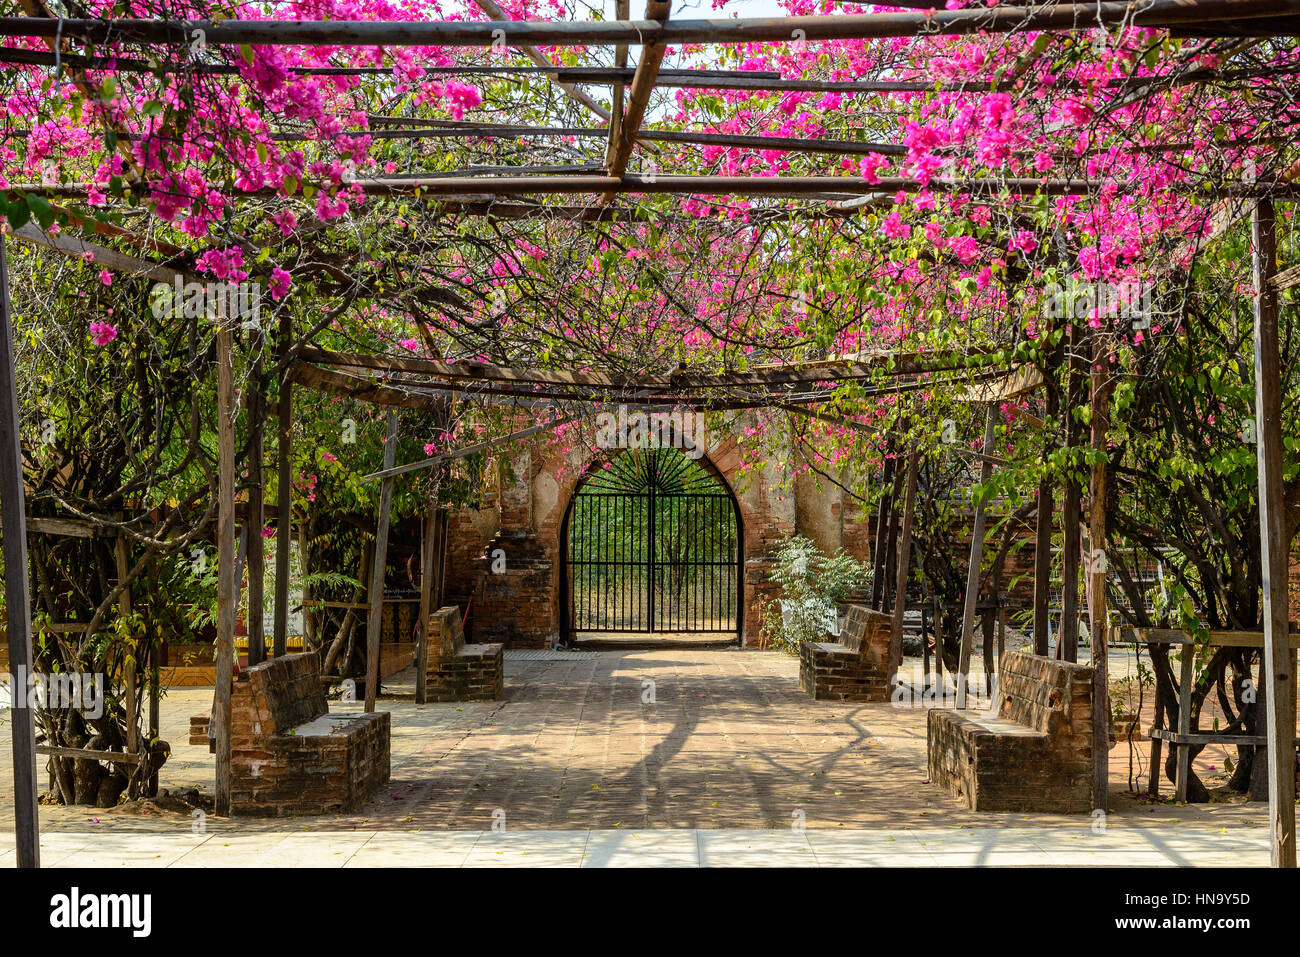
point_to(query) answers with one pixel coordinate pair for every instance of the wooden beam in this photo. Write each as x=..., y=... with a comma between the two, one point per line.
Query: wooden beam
x=1279, y=693
x=74, y=247
x=1286, y=279
x=227, y=584
x=393, y=471
x=622, y=11
x=374, y=618
x=1211, y=17
x=904, y=566
x=795, y=373
x=1022, y=381
x=18, y=631
x=973, y=571
x=643, y=84
x=494, y=10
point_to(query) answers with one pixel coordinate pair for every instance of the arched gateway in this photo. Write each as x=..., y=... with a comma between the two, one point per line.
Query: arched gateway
x=653, y=545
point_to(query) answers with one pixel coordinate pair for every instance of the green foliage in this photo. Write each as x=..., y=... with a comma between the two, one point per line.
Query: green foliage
x=812, y=584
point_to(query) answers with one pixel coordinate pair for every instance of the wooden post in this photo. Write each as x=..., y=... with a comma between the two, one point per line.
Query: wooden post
x=904, y=564
x=124, y=609
x=374, y=622
x=18, y=611
x=227, y=585
x=154, y=677
x=1279, y=695
x=878, y=543
x=937, y=618
x=1068, y=640
x=284, y=504
x=891, y=542
x=1097, y=567
x=1043, y=549
x=426, y=607
x=254, y=543
x=1183, y=752
x=976, y=557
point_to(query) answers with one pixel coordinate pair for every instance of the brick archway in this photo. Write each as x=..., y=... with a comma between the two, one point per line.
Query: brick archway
x=636, y=520
x=523, y=606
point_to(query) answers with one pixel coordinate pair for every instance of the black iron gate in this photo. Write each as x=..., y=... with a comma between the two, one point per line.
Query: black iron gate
x=653, y=546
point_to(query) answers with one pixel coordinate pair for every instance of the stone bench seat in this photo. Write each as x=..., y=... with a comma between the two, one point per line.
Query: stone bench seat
x=289, y=755
x=1033, y=755
x=456, y=671
x=857, y=667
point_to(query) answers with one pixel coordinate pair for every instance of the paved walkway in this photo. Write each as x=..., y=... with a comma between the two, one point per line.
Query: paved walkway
x=1009, y=847
x=703, y=755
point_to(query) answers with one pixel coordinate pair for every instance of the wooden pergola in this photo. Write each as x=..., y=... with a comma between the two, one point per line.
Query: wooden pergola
x=426, y=384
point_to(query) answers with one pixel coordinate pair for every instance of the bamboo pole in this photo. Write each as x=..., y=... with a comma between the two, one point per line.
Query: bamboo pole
x=374, y=622
x=18, y=612
x=973, y=571
x=1279, y=671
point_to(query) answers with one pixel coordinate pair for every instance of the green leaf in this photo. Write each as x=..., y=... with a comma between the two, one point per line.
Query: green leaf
x=18, y=214
x=41, y=210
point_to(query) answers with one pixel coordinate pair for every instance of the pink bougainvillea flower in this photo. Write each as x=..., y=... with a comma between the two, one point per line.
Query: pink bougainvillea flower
x=101, y=333
x=279, y=283
x=106, y=277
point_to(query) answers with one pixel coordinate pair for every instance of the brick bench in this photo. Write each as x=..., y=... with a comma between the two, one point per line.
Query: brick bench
x=857, y=667
x=1035, y=755
x=455, y=671
x=289, y=755
x=201, y=729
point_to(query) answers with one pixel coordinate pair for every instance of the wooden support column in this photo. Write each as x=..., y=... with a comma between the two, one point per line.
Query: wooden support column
x=1068, y=639
x=427, y=561
x=1097, y=567
x=254, y=543
x=878, y=541
x=904, y=565
x=891, y=540
x=1043, y=550
x=1279, y=673
x=976, y=557
x=284, y=502
x=122, y=563
x=227, y=584
x=18, y=611
x=375, y=617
